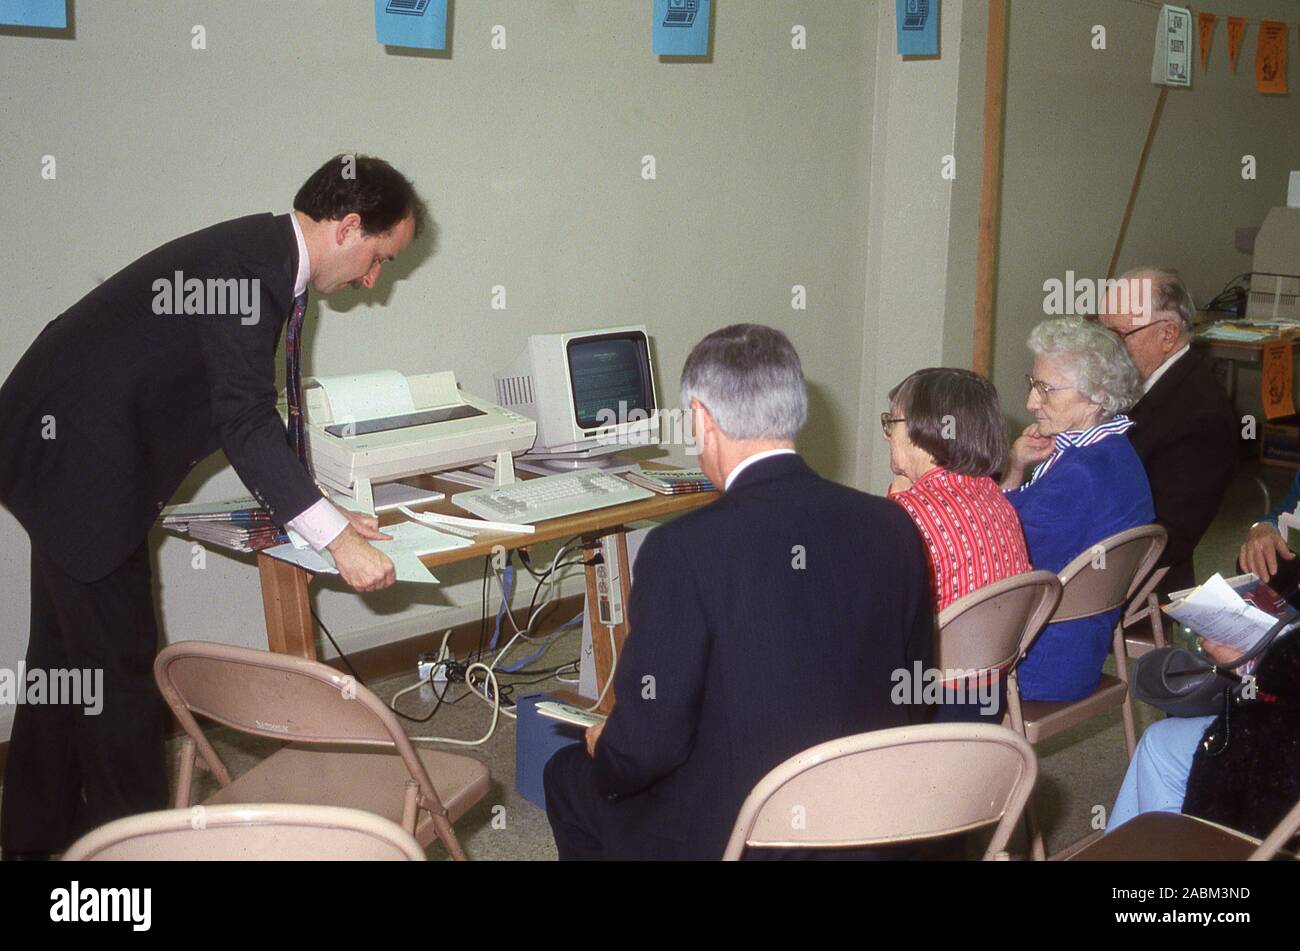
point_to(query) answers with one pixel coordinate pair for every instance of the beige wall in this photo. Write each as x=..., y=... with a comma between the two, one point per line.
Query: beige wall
x=1076, y=121
x=775, y=168
x=530, y=160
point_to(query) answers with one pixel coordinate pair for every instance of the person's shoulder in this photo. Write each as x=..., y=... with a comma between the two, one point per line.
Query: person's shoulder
x=1189, y=394
x=797, y=492
x=1102, y=457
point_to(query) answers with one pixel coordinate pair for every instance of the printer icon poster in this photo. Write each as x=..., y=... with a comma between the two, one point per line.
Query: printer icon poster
x=417, y=24
x=918, y=27
x=42, y=14
x=681, y=27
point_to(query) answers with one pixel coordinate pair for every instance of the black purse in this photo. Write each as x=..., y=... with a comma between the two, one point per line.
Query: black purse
x=1181, y=684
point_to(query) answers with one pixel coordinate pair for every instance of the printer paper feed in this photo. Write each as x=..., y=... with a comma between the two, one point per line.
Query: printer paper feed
x=360, y=396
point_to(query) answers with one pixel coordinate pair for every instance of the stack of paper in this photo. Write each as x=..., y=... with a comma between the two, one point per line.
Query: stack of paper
x=237, y=524
x=670, y=481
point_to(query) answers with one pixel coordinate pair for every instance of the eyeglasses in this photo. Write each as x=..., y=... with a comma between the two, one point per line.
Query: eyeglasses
x=887, y=422
x=1045, y=390
x=1127, y=333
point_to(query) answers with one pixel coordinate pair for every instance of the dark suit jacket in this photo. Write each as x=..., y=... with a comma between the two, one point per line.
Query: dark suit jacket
x=738, y=658
x=1187, y=438
x=137, y=398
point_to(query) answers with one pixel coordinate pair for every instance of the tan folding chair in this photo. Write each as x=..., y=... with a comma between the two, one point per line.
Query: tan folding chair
x=266, y=832
x=1100, y=579
x=1145, y=607
x=1173, y=837
x=890, y=787
x=344, y=747
x=985, y=629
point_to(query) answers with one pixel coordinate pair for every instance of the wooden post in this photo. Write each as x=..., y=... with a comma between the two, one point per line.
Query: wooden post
x=287, y=608
x=1137, y=180
x=995, y=72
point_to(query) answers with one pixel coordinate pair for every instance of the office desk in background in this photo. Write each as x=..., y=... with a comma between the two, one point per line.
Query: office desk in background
x=1228, y=355
x=285, y=598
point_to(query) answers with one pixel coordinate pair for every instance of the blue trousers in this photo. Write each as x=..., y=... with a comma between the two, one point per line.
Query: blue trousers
x=1156, y=780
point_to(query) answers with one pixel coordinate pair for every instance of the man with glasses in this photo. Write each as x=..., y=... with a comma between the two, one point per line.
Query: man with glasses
x=1186, y=430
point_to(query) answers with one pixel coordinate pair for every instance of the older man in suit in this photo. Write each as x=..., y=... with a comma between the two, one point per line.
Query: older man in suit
x=1186, y=432
x=110, y=408
x=770, y=621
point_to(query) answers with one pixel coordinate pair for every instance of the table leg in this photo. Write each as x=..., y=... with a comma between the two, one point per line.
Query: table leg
x=288, y=611
x=601, y=584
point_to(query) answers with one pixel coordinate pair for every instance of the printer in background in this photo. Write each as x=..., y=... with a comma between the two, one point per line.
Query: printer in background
x=371, y=429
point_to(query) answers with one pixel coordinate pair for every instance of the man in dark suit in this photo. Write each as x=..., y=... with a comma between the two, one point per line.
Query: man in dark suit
x=110, y=408
x=761, y=625
x=1187, y=432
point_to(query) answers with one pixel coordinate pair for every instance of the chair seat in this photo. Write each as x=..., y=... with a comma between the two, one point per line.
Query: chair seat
x=373, y=780
x=1044, y=718
x=1169, y=837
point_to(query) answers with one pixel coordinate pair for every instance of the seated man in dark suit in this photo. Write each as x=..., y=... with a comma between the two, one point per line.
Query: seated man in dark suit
x=763, y=624
x=1187, y=432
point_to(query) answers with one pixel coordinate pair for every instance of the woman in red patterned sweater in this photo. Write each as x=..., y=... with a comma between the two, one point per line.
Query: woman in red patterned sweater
x=947, y=440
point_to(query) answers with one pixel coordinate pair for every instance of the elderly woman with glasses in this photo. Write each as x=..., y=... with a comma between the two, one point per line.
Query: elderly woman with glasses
x=947, y=439
x=1075, y=480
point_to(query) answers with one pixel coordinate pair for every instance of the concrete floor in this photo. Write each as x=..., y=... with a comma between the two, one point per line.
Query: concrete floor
x=1080, y=771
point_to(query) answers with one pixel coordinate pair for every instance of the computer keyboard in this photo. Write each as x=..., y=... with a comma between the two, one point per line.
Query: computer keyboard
x=554, y=496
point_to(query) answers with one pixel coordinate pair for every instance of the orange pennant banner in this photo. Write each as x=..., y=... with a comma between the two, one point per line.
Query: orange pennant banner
x=1270, y=58
x=1205, y=23
x=1236, y=32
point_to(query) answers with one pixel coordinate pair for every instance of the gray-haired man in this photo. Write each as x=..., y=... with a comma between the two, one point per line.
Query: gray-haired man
x=1186, y=433
x=763, y=624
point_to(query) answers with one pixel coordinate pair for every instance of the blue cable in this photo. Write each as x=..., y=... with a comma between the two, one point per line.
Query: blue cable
x=577, y=619
x=508, y=587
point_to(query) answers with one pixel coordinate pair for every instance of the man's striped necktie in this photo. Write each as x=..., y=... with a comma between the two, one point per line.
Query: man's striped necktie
x=293, y=378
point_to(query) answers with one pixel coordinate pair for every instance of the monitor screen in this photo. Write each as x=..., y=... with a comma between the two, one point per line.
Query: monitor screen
x=610, y=373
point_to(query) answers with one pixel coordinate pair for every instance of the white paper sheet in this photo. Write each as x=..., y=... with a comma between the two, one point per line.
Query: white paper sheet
x=410, y=541
x=1215, y=611
x=357, y=397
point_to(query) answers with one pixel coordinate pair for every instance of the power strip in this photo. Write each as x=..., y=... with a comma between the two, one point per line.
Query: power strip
x=425, y=665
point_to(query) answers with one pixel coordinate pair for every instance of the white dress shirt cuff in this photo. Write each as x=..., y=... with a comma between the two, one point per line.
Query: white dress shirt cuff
x=320, y=524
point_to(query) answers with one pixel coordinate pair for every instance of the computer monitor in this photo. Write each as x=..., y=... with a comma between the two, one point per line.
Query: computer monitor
x=591, y=393
x=1275, y=277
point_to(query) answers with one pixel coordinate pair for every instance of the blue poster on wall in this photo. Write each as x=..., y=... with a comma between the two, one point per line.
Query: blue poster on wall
x=681, y=27
x=918, y=27
x=421, y=24
x=48, y=14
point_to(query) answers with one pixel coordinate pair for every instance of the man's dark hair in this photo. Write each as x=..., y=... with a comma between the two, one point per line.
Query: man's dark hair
x=369, y=186
x=955, y=416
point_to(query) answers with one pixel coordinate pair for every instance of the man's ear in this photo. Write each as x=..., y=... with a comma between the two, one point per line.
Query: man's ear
x=347, y=226
x=1172, y=330
x=704, y=424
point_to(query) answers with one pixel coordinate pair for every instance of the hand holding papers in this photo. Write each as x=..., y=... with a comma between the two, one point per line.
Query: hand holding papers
x=409, y=542
x=1216, y=611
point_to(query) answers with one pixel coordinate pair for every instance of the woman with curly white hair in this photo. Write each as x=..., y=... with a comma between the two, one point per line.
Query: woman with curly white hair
x=1085, y=482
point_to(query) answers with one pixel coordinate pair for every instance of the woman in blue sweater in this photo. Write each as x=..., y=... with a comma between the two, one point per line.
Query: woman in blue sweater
x=1086, y=484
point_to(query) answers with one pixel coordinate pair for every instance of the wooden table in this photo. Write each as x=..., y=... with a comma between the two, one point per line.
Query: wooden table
x=1227, y=354
x=285, y=601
